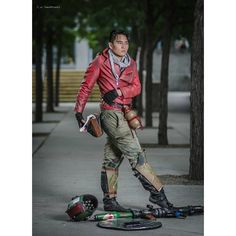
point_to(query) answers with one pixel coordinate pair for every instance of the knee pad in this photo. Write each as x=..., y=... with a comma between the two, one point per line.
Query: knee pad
x=138, y=159
x=144, y=172
x=112, y=163
x=109, y=177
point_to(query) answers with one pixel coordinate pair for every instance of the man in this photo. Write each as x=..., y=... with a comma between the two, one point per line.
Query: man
x=117, y=77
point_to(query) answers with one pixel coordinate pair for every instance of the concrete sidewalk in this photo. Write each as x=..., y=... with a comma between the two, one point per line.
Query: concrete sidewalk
x=68, y=163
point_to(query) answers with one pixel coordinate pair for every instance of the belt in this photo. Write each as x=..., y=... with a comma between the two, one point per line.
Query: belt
x=117, y=105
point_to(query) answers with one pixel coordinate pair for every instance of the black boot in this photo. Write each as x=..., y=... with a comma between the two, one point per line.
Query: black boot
x=160, y=199
x=110, y=204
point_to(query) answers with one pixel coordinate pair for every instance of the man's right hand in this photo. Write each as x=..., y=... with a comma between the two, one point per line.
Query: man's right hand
x=80, y=119
x=110, y=96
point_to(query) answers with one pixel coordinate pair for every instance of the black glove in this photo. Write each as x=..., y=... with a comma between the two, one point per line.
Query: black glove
x=110, y=96
x=80, y=119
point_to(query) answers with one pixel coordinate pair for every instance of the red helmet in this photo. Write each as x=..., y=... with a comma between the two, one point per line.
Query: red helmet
x=81, y=207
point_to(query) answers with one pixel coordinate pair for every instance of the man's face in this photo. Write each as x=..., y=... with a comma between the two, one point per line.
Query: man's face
x=120, y=45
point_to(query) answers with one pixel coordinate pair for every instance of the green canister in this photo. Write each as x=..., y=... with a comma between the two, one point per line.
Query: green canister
x=112, y=215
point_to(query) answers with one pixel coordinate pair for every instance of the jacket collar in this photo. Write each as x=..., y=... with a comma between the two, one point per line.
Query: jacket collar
x=106, y=58
x=105, y=53
x=107, y=62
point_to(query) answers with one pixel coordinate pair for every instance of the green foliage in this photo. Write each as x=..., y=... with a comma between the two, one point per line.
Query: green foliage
x=100, y=17
x=93, y=20
x=60, y=16
x=183, y=25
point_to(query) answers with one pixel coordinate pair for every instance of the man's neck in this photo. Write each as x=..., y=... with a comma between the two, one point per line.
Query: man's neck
x=118, y=57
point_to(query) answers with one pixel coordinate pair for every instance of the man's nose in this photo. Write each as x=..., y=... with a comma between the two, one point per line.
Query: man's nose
x=123, y=45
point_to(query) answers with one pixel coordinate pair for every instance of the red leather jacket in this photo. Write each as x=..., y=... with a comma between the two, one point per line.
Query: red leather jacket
x=99, y=70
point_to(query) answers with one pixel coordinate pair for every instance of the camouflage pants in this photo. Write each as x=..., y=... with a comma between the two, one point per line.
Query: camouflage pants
x=122, y=142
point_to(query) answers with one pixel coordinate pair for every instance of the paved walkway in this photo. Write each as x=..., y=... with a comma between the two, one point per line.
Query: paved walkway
x=67, y=163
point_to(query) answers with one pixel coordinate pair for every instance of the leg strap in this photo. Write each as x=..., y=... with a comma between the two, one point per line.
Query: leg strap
x=144, y=172
x=109, y=177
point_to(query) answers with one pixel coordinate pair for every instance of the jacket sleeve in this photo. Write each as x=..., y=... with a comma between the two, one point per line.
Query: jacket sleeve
x=90, y=78
x=133, y=89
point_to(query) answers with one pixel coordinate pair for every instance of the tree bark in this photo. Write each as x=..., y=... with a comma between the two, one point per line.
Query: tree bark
x=39, y=82
x=149, y=49
x=57, y=84
x=163, y=114
x=196, y=169
x=134, y=102
x=148, y=116
x=49, y=62
x=141, y=68
x=136, y=41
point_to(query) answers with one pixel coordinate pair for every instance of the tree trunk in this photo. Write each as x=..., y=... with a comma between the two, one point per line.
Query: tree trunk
x=57, y=85
x=134, y=102
x=134, y=51
x=163, y=114
x=39, y=82
x=141, y=68
x=149, y=53
x=196, y=170
x=148, y=115
x=49, y=62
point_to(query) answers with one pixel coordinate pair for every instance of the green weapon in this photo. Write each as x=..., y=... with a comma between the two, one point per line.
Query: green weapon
x=150, y=213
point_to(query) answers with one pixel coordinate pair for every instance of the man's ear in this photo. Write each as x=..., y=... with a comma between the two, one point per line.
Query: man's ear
x=110, y=45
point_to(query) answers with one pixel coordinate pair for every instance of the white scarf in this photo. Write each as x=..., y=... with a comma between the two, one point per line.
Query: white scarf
x=123, y=63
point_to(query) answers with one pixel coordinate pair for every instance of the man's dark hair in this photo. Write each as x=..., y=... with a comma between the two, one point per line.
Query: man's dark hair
x=114, y=33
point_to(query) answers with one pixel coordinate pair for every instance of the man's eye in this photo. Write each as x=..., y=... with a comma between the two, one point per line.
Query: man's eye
x=122, y=43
